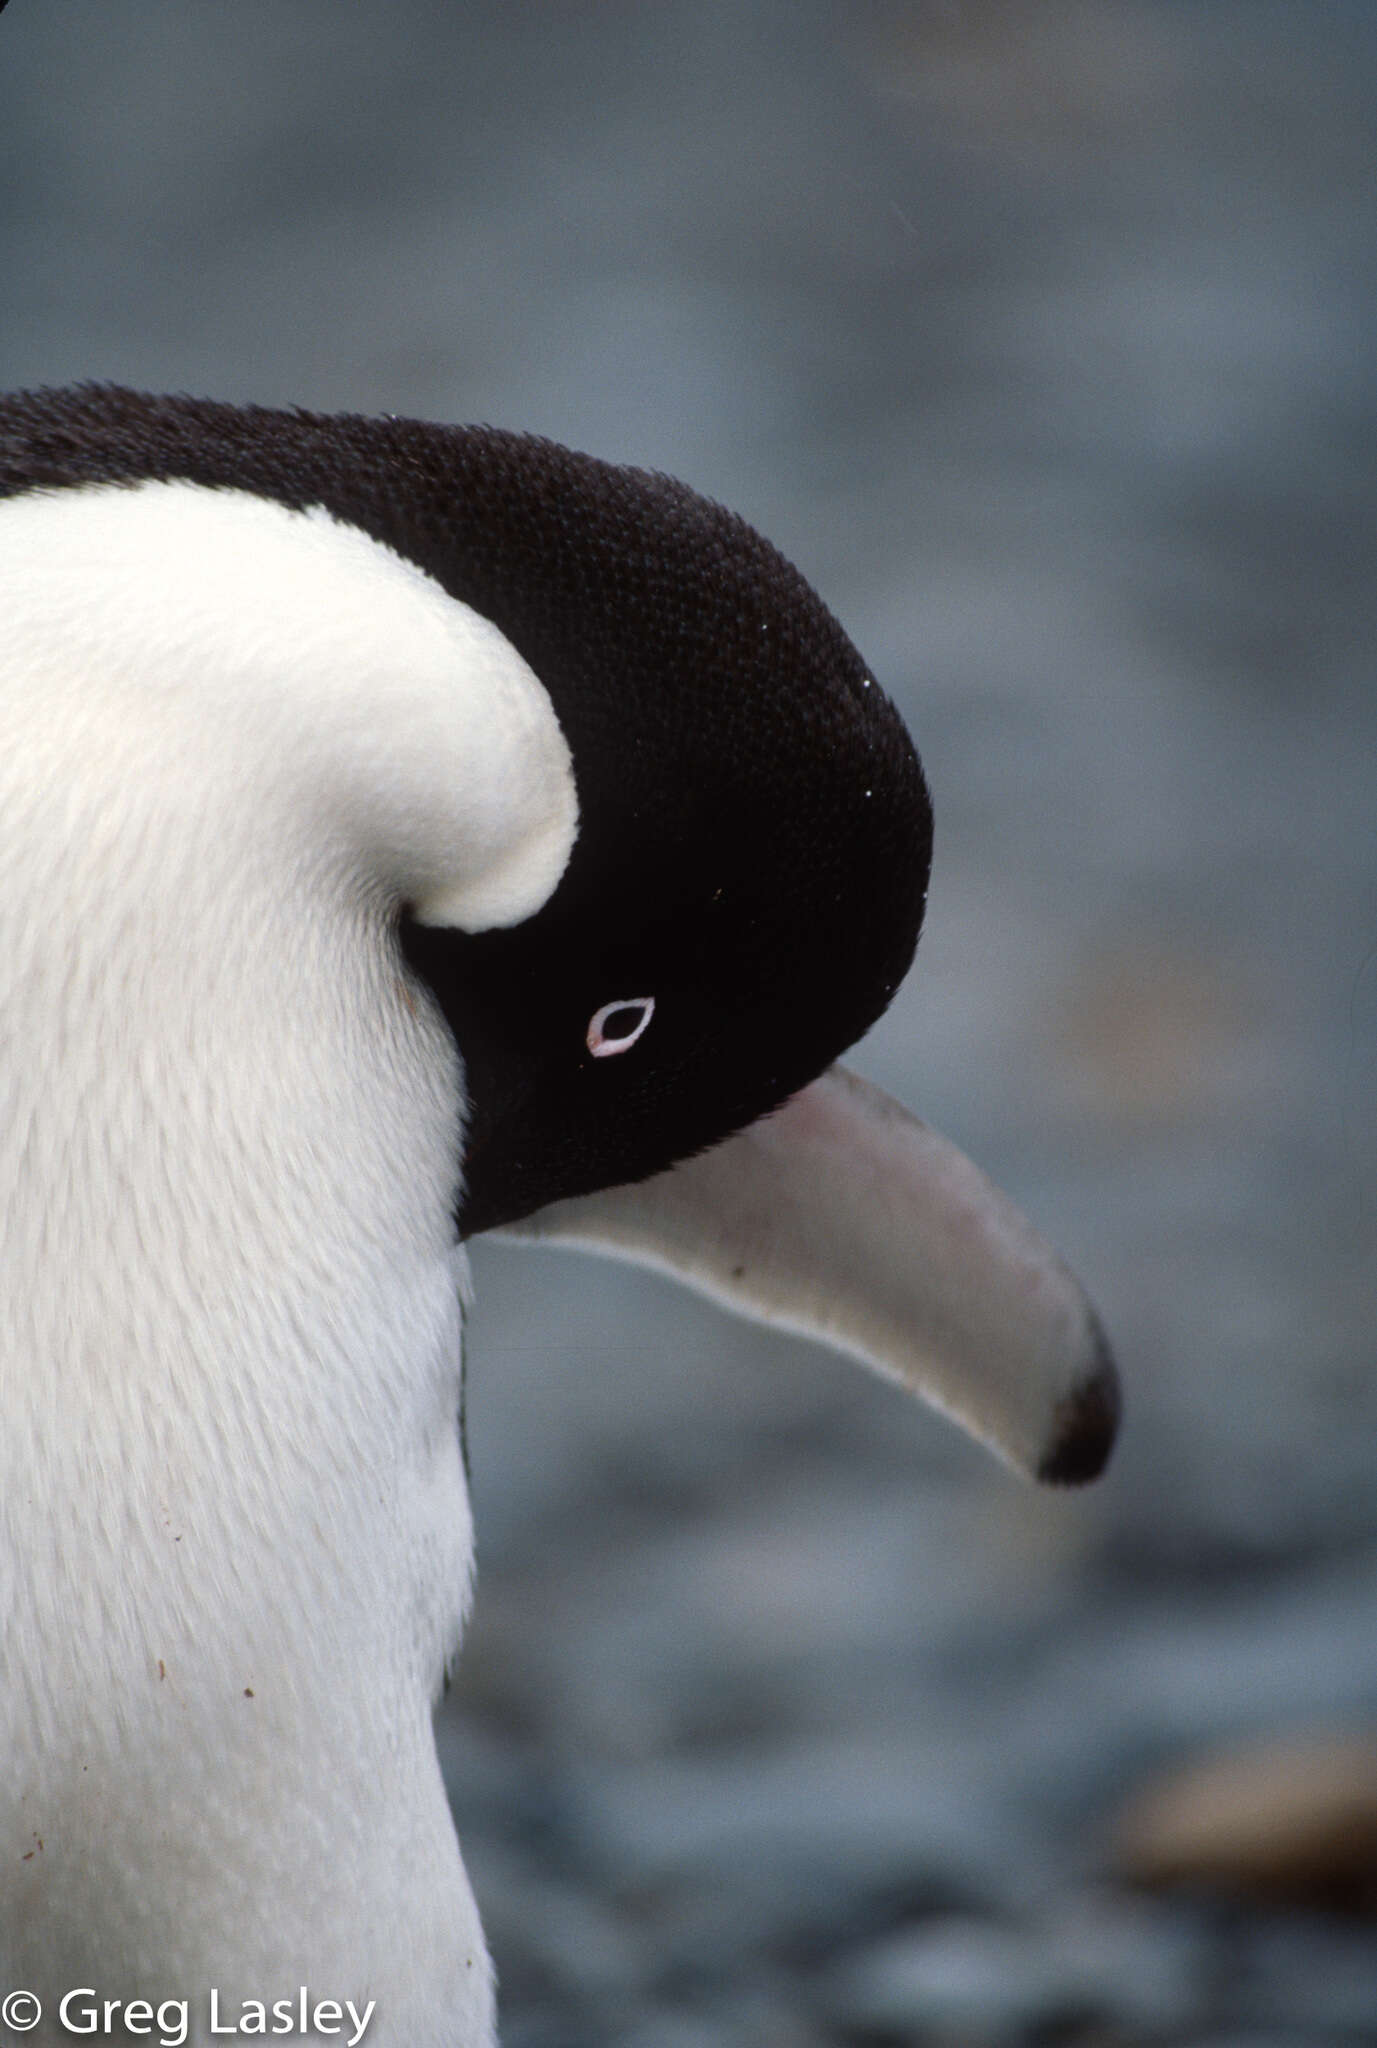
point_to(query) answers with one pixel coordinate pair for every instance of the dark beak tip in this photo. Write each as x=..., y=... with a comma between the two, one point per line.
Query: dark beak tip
x=1086, y=1423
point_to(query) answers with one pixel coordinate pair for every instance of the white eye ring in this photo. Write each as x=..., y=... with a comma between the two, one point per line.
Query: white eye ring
x=603, y=1047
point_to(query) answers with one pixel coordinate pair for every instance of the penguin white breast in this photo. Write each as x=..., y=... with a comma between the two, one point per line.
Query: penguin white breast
x=235, y=741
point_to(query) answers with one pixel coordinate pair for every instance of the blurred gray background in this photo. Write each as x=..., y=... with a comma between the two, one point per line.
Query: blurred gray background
x=1040, y=336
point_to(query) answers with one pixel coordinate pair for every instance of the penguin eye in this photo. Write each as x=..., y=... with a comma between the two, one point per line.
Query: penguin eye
x=617, y=1026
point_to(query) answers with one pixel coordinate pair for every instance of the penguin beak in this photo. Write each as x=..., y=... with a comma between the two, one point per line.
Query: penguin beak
x=842, y=1217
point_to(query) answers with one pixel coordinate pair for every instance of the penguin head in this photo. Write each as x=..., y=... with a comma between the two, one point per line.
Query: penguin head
x=747, y=882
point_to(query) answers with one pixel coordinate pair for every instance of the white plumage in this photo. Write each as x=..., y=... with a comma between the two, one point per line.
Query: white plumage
x=232, y=740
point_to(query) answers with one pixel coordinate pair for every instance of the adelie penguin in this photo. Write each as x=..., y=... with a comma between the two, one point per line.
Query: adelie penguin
x=407, y=831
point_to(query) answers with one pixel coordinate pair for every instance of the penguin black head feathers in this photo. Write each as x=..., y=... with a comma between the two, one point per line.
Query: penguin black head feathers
x=747, y=883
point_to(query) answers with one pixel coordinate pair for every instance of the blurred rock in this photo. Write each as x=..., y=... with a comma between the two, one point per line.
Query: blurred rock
x=959, y=1977
x=1105, y=1966
x=1294, y=1819
x=1305, y=1971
